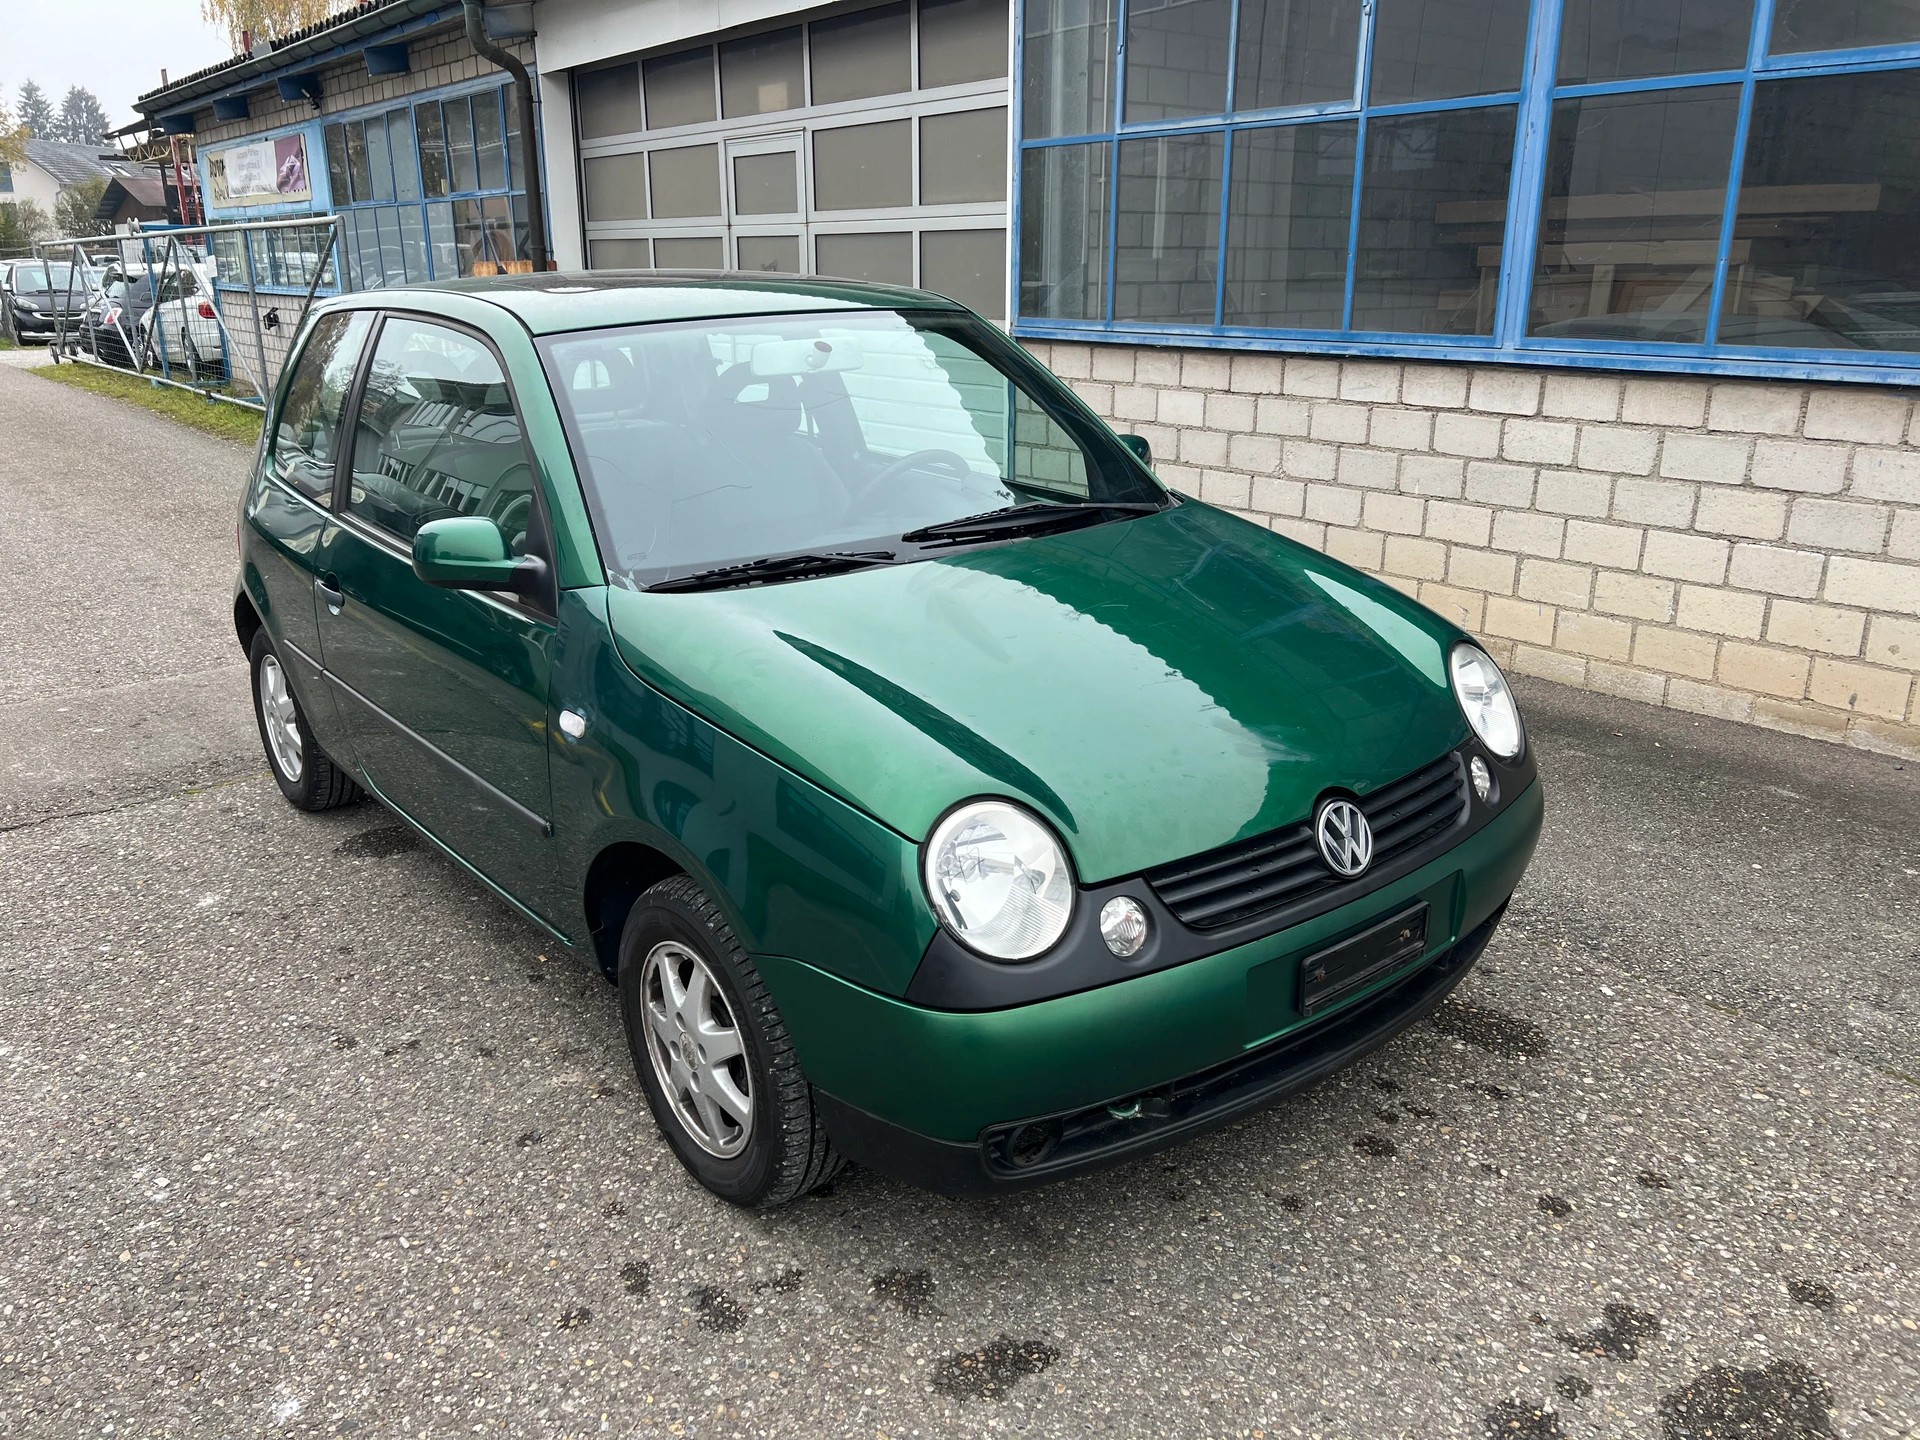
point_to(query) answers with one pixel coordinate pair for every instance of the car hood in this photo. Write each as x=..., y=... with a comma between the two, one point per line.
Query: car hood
x=1154, y=687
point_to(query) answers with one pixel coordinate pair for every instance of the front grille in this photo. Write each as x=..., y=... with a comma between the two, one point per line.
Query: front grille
x=1284, y=867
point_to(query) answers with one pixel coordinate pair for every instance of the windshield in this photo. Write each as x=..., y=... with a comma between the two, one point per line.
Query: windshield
x=726, y=441
x=43, y=279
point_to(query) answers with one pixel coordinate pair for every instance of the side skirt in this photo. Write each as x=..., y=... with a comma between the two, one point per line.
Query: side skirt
x=458, y=859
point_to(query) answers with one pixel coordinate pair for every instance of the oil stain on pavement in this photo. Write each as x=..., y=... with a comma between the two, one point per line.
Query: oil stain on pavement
x=991, y=1371
x=1781, y=1401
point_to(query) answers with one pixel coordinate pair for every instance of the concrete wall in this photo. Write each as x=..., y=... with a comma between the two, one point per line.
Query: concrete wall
x=1742, y=549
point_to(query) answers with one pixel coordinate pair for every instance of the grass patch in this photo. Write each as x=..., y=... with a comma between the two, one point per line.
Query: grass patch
x=229, y=422
x=6, y=342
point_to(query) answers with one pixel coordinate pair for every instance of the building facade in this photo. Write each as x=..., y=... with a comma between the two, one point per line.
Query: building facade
x=49, y=168
x=1594, y=324
x=385, y=116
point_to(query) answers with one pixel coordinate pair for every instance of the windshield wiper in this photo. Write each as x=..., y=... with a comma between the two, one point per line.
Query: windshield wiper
x=778, y=567
x=1035, y=515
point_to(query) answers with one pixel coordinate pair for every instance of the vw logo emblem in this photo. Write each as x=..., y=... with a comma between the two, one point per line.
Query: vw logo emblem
x=1346, y=840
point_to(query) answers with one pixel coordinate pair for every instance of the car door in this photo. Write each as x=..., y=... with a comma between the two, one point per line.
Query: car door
x=445, y=691
x=288, y=508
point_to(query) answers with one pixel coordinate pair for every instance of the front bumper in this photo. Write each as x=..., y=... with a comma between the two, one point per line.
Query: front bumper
x=940, y=1097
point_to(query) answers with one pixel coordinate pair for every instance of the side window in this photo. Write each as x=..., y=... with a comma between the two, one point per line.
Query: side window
x=309, y=420
x=437, y=436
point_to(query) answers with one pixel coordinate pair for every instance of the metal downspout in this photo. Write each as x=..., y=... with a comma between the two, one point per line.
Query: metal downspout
x=529, y=140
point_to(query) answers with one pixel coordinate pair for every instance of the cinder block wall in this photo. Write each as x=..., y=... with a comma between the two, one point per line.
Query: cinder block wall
x=1743, y=549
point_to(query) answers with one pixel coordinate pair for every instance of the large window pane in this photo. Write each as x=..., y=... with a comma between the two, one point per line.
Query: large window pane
x=963, y=157
x=616, y=186
x=1168, y=241
x=1800, y=25
x=766, y=184
x=413, y=242
x=337, y=181
x=406, y=156
x=1063, y=232
x=1824, y=255
x=1627, y=39
x=761, y=73
x=1289, y=211
x=859, y=55
x=489, y=141
x=608, y=101
x=358, y=179
x=442, y=250
x=686, y=182
x=1636, y=188
x=466, y=167
x=770, y=254
x=689, y=252
x=379, y=163
x=1296, y=52
x=680, y=88
x=433, y=150
x=1433, y=206
x=1066, y=67
x=863, y=167
x=885, y=259
x=1176, y=58
x=962, y=41
x=967, y=265
x=618, y=255
x=1437, y=49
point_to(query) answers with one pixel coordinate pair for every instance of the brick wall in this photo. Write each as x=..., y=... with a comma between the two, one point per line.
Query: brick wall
x=1742, y=549
x=437, y=60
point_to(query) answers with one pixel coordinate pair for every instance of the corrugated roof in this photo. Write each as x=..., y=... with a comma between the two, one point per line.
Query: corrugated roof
x=271, y=54
x=70, y=164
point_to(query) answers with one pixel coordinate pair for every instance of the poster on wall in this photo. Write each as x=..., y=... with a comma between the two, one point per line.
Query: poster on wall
x=261, y=172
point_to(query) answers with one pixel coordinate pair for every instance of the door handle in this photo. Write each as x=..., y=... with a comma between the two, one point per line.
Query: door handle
x=331, y=593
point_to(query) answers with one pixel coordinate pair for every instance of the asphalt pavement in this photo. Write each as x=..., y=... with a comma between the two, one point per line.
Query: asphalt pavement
x=302, y=1133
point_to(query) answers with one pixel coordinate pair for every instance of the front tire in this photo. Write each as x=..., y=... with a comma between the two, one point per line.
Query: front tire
x=713, y=1055
x=303, y=771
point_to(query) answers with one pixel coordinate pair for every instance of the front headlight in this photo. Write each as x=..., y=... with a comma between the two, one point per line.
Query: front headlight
x=25, y=304
x=999, y=880
x=1487, y=702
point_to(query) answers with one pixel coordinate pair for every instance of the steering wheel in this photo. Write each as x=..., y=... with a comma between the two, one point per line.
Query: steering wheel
x=938, y=459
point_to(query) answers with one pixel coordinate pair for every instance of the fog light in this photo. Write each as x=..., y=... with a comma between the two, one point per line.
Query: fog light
x=1123, y=925
x=1482, y=777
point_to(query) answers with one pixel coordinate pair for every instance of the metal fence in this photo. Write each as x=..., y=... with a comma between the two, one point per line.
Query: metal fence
x=209, y=308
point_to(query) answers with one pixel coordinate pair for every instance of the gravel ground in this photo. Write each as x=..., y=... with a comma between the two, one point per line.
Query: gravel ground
x=306, y=1135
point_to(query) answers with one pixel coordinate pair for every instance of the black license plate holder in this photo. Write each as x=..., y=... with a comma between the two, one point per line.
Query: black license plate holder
x=1330, y=975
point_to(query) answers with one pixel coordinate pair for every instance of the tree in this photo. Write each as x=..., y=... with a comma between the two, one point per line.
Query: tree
x=36, y=111
x=22, y=223
x=267, y=18
x=13, y=137
x=82, y=119
x=73, y=213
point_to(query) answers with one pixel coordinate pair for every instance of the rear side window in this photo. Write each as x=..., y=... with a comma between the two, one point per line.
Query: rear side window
x=437, y=436
x=308, y=428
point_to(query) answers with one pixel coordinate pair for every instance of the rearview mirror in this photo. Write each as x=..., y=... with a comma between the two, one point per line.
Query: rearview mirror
x=1142, y=451
x=469, y=552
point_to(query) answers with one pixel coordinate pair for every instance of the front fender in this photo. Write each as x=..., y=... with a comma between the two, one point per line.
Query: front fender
x=796, y=871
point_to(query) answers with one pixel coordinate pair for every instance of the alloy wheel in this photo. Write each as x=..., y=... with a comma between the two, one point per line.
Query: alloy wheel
x=698, y=1054
x=280, y=719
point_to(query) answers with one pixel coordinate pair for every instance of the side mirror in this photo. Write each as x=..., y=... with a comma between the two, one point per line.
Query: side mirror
x=469, y=552
x=1142, y=451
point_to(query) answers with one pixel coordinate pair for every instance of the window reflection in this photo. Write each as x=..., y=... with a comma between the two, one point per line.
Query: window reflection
x=1433, y=206
x=1168, y=241
x=1828, y=213
x=1636, y=186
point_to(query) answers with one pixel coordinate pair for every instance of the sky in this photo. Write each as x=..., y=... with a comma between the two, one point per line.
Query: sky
x=114, y=48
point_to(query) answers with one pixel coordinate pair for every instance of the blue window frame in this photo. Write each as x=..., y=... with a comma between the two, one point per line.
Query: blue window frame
x=1692, y=185
x=426, y=189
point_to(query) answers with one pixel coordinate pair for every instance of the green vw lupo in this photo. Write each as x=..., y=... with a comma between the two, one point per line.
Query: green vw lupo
x=941, y=792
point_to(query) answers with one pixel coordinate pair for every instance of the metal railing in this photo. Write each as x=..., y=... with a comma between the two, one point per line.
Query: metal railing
x=188, y=274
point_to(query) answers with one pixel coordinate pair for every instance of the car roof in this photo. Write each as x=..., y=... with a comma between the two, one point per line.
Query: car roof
x=560, y=301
